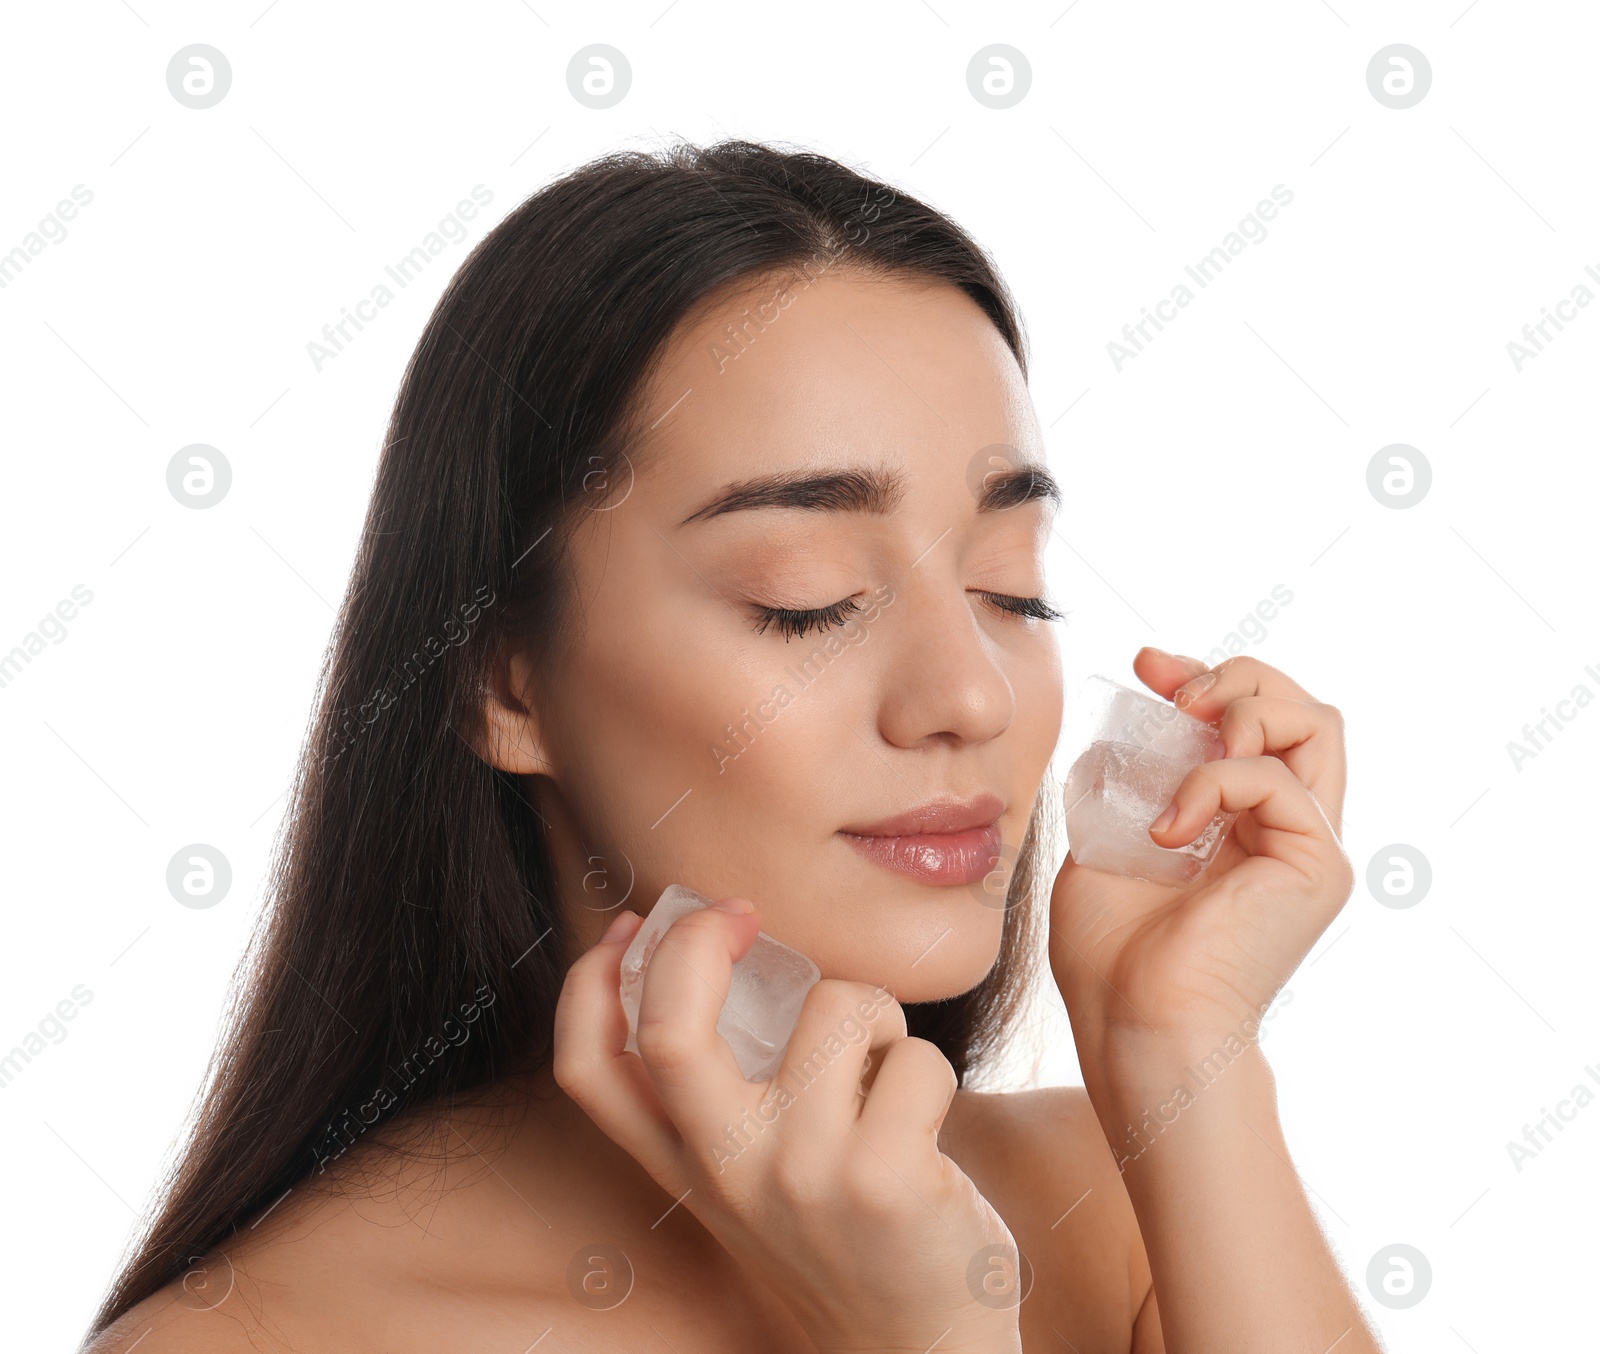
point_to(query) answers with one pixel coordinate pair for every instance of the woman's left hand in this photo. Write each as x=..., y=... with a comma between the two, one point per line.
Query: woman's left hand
x=1206, y=959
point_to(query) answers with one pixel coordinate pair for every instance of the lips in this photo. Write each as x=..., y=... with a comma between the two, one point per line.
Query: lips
x=944, y=841
x=936, y=816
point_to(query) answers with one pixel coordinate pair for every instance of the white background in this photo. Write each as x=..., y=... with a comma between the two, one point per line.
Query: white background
x=1228, y=457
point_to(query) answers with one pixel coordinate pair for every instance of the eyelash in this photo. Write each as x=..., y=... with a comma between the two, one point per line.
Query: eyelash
x=793, y=624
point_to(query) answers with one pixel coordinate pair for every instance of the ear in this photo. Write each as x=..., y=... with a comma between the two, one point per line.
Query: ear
x=510, y=738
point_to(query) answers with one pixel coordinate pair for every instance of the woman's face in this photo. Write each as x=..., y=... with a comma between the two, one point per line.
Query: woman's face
x=836, y=454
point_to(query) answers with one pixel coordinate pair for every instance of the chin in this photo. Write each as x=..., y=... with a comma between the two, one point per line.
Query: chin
x=923, y=962
x=927, y=982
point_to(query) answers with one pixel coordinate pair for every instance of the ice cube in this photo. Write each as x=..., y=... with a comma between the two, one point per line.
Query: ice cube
x=1139, y=750
x=1115, y=713
x=764, y=998
x=1113, y=792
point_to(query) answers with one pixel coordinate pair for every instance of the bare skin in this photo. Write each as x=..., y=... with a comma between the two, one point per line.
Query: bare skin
x=477, y=1257
x=946, y=693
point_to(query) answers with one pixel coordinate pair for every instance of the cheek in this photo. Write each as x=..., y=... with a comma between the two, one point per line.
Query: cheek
x=1032, y=664
x=704, y=758
x=1041, y=703
x=773, y=744
x=642, y=716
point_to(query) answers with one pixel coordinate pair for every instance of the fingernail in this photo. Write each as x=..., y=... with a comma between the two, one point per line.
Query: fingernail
x=1192, y=690
x=1163, y=822
x=735, y=905
x=1184, y=658
x=620, y=923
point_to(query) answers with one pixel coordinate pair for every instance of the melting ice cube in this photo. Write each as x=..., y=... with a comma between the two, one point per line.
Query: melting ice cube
x=1141, y=749
x=1118, y=714
x=764, y=999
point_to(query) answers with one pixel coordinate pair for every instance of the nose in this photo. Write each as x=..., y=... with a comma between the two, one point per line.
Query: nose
x=944, y=679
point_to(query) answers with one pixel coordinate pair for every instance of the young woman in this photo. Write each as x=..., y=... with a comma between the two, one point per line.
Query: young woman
x=705, y=548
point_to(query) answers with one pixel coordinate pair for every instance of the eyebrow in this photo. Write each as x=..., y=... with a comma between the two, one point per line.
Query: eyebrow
x=868, y=490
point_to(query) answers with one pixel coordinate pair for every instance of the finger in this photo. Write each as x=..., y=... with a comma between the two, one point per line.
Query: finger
x=590, y=1065
x=1165, y=672
x=1253, y=726
x=686, y=984
x=841, y=1023
x=1288, y=823
x=1208, y=695
x=1307, y=736
x=907, y=1104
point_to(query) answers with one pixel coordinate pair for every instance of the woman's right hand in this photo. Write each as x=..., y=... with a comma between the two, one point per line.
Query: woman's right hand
x=841, y=1202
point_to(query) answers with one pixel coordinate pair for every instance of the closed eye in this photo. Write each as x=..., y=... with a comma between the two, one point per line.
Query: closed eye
x=795, y=623
x=1034, y=608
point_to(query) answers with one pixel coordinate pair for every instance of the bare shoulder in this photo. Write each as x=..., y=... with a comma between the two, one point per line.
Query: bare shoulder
x=304, y=1279
x=1041, y=1158
x=250, y=1300
x=167, y=1323
x=387, y=1253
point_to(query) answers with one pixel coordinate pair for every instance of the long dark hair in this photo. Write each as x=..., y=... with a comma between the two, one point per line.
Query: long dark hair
x=413, y=949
